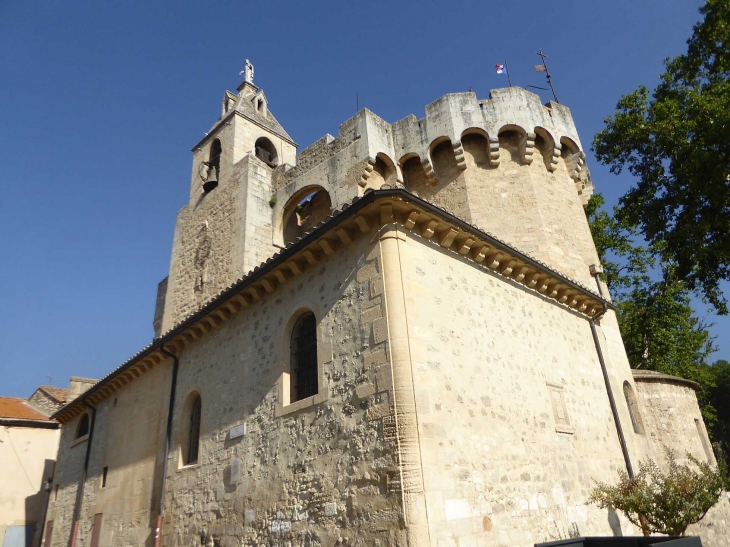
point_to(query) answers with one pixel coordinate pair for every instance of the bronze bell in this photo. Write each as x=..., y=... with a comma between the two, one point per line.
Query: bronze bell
x=212, y=180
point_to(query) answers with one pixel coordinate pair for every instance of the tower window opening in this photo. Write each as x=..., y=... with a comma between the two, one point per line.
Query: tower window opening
x=266, y=152
x=104, y=474
x=304, y=377
x=214, y=166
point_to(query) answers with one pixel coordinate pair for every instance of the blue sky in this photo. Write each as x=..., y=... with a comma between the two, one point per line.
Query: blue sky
x=101, y=103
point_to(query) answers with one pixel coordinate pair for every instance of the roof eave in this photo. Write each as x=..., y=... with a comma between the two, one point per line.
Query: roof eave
x=317, y=233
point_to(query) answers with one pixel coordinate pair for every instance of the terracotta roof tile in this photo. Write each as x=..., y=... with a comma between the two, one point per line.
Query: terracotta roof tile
x=15, y=408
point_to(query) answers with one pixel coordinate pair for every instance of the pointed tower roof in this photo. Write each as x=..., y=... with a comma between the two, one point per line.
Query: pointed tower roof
x=248, y=105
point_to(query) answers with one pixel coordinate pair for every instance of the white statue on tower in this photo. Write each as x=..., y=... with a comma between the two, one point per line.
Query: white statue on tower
x=247, y=72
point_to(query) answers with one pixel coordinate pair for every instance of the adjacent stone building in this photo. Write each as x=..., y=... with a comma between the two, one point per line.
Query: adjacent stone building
x=28, y=445
x=396, y=337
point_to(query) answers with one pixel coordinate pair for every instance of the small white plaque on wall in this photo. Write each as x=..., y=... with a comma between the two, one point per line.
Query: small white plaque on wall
x=237, y=431
x=235, y=471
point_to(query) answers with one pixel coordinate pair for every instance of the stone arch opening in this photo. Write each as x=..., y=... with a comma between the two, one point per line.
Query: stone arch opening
x=511, y=138
x=444, y=162
x=266, y=152
x=384, y=172
x=545, y=144
x=633, y=407
x=304, y=210
x=414, y=175
x=568, y=146
x=475, y=142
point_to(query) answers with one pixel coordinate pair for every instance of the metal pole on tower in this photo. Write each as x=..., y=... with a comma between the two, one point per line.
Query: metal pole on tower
x=506, y=67
x=544, y=69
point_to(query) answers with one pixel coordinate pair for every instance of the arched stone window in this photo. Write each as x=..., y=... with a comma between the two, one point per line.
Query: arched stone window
x=266, y=152
x=633, y=405
x=84, y=426
x=303, y=362
x=191, y=441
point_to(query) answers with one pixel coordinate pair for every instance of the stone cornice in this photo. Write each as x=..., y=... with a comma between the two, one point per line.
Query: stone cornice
x=653, y=376
x=376, y=208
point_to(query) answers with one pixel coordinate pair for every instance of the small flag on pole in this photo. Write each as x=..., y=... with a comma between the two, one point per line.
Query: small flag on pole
x=540, y=68
x=499, y=68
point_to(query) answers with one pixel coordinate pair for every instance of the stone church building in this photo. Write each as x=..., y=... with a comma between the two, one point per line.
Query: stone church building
x=398, y=336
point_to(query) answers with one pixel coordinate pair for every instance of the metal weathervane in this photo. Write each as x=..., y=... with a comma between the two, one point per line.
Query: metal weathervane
x=543, y=68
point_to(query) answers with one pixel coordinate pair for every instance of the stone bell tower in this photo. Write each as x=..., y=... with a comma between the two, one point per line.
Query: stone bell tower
x=225, y=229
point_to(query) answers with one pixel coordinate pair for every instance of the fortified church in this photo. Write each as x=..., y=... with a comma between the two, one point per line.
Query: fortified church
x=398, y=336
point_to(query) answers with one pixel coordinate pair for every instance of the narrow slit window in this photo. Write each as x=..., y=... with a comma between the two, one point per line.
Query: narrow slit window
x=194, y=437
x=633, y=405
x=104, y=474
x=304, y=376
x=705, y=443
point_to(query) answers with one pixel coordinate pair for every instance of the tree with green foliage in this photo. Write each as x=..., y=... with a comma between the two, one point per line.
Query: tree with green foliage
x=715, y=397
x=675, y=142
x=660, y=330
x=664, y=503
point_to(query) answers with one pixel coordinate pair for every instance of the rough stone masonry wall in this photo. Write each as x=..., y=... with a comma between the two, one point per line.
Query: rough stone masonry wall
x=487, y=357
x=44, y=403
x=535, y=210
x=323, y=475
x=66, y=476
x=669, y=410
x=206, y=252
x=128, y=439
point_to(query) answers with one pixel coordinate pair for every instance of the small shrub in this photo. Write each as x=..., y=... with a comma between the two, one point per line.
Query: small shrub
x=664, y=503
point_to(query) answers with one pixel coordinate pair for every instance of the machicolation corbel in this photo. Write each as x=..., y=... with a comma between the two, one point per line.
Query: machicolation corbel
x=428, y=168
x=369, y=166
x=459, y=155
x=527, y=148
x=493, y=152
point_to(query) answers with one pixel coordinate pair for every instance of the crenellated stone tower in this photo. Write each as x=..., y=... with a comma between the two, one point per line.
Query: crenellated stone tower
x=508, y=164
x=339, y=361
